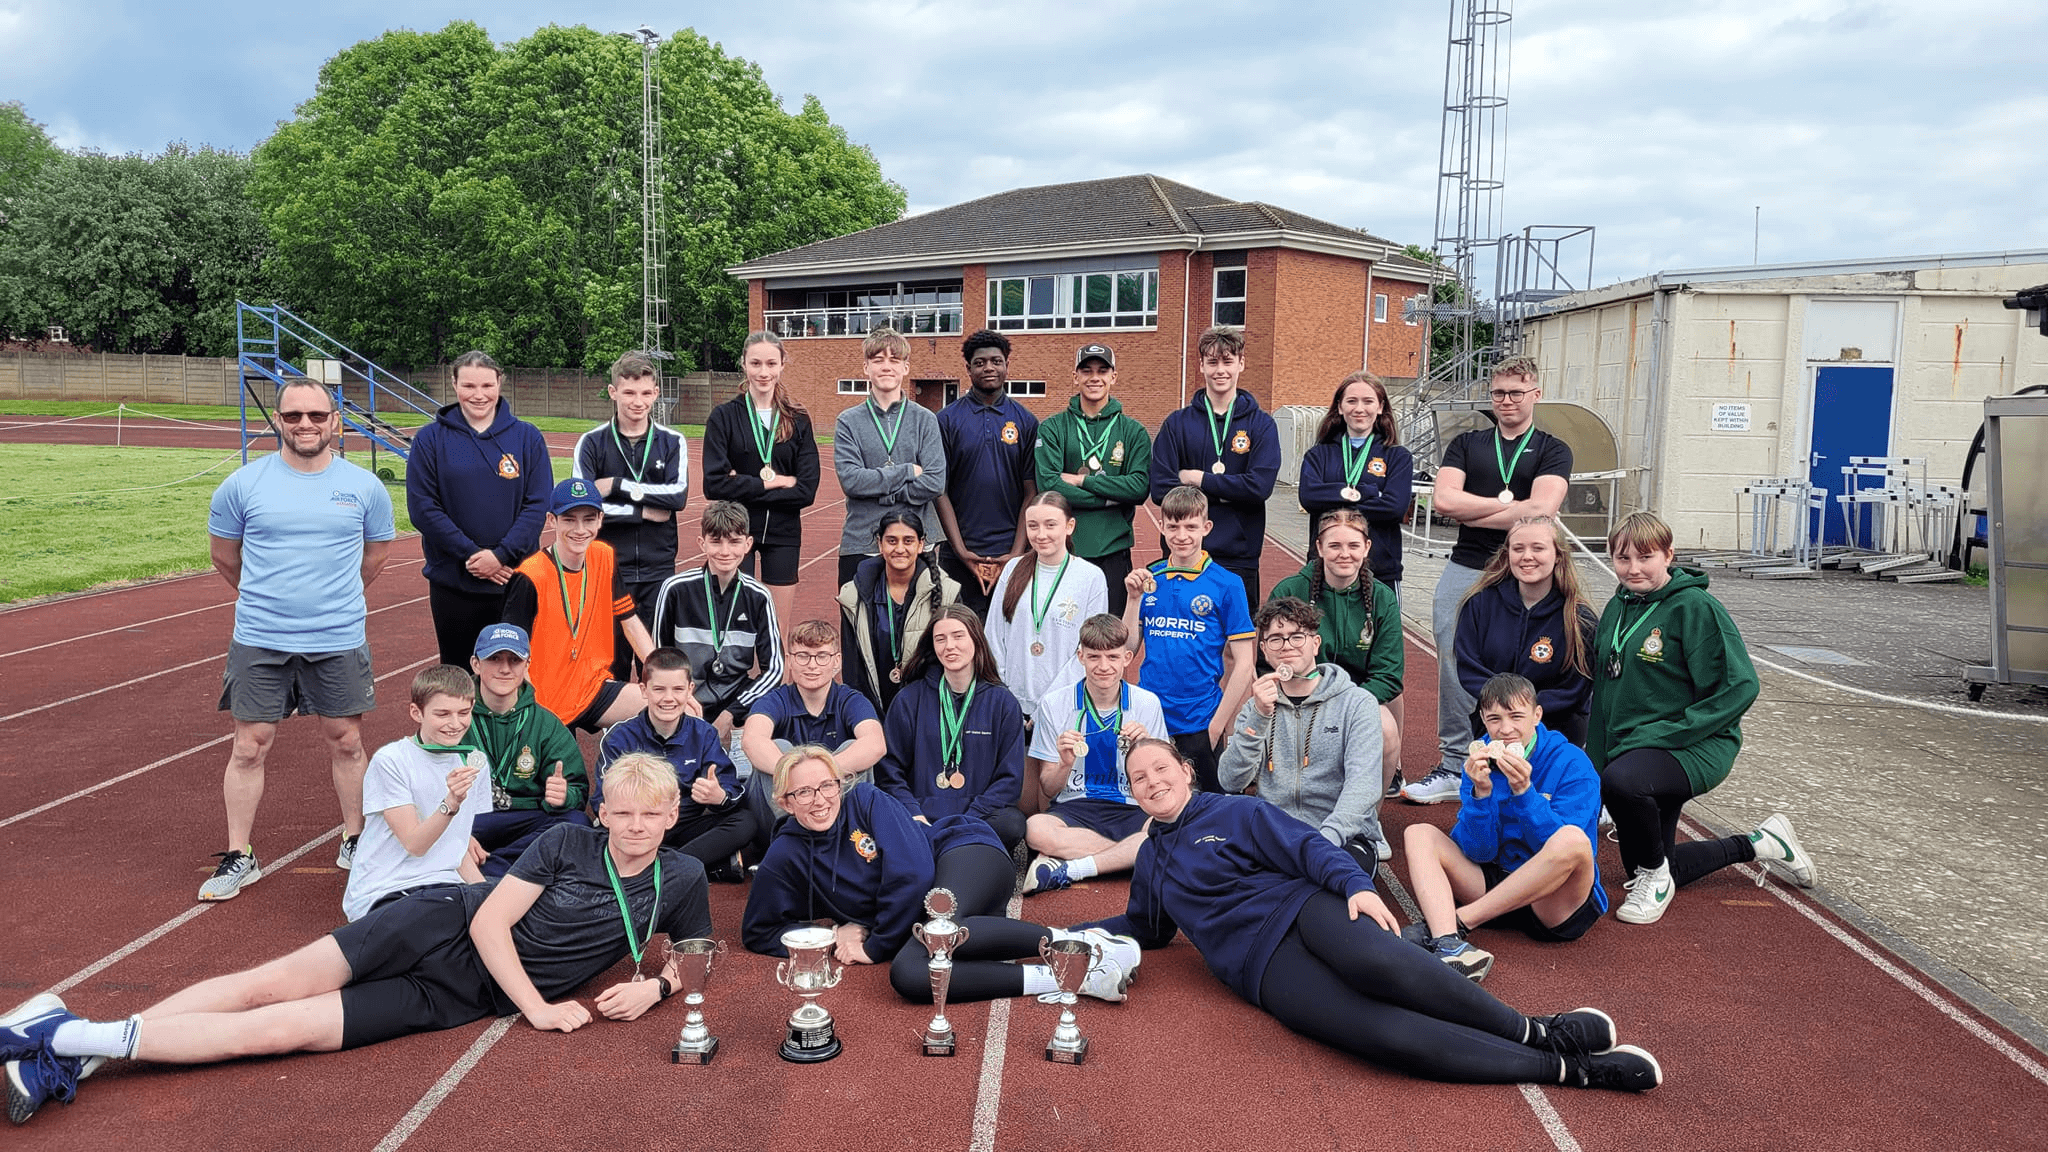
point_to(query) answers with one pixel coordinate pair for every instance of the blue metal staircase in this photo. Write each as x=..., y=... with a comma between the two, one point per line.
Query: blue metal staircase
x=272, y=347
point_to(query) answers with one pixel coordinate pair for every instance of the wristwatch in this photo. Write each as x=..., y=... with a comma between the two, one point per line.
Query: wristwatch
x=667, y=989
x=443, y=807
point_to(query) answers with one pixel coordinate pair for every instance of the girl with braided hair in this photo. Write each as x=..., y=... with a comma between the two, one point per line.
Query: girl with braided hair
x=887, y=606
x=1308, y=740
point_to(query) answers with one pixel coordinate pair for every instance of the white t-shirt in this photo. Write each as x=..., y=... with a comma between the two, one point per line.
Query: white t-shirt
x=403, y=773
x=1081, y=593
x=1060, y=711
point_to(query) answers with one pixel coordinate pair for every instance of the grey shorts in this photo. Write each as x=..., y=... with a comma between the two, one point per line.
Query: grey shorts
x=263, y=686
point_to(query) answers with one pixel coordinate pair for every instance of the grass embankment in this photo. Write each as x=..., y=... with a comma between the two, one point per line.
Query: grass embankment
x=84, y=515
x=62, y=409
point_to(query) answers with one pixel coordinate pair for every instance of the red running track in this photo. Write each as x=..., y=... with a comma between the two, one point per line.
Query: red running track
x=1773, y=1032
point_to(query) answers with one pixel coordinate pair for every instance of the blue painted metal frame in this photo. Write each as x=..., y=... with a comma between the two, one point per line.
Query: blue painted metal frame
x=260, y=356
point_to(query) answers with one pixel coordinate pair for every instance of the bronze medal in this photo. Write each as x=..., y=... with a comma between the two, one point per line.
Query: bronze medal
x=895, y=675
x=1037, y=649
x=1217, y=467
x=959, y=780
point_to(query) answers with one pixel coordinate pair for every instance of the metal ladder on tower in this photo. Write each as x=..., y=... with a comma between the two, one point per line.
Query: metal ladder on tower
x=267, y=336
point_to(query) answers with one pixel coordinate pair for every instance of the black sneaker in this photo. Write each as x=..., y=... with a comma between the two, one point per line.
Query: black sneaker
x=1625, y=1069
x=729, y=872
x=1583, y=1030
x=1418, y=935
x=345, y=859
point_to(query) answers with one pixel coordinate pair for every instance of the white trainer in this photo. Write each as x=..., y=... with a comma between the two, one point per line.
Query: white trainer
x=1776, y=843
x=1107, y=980
x=1649, y=895
x=1122, y=949
x=1440, y=785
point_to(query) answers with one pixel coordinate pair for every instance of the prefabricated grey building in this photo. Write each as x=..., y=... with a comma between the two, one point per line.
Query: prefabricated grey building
x=1710, y=378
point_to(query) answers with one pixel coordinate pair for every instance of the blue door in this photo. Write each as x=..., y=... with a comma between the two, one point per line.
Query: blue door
x=1852, y=416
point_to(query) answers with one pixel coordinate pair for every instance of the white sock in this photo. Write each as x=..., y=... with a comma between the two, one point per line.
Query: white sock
x=1081, y=869
x=86, y=1038
x=1038, y=980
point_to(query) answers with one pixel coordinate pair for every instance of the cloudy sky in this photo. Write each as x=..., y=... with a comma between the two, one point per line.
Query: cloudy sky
x=1861, y=127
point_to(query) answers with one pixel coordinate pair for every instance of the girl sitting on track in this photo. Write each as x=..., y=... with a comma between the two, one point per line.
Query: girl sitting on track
x=955, y=734
x=1291, y=923
x=1674, y=682
x=1527, y=616
x=852, y=855
x=1361, y=621
x=886, y=607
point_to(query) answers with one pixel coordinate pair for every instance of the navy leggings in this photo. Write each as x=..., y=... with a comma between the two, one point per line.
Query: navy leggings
x=1645, y=791
x=982, y=878
x=1360, y=988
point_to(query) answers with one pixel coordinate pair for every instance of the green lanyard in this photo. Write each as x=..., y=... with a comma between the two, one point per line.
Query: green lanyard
x=1216, y=436
x=1355, y=468
x=646, y=451
x=1038, y=611
x=582, y=594
x=619, y=890
x=711, y=610
x=1115, y=720
x=1619, y=639
x=953, y=723
x=764, y=436
x=1092, y=452
x=1507, y=470
x=456, y=749
x=889, y=436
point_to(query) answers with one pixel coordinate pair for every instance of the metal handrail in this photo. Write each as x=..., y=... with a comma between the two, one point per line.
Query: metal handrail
x=811, y=323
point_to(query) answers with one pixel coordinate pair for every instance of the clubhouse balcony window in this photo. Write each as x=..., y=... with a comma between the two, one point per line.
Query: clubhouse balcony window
x=922, y=309
x=1081, y=300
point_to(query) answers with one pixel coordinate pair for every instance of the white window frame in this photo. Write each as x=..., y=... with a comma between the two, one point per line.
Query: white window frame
x=1065, y=287
x=1026, y=388
x=1421, y=300
x=1379, y=307
x=1217, y=299
x=855, y=387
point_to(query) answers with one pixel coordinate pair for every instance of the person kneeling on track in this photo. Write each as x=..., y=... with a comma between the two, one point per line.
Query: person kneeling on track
x=852, y=856
x=1290, y=923
x=439, y=958
x=1522, y=852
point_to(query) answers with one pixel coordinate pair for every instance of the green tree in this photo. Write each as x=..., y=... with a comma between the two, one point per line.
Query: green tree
x=1443, y=335
x=24, y=149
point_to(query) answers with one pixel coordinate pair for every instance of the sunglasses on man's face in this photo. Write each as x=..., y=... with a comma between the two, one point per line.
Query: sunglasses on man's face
x=304, y=417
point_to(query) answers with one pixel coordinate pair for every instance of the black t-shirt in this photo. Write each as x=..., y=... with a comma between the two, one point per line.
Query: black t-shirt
x=1473, y=452
x=573, y=931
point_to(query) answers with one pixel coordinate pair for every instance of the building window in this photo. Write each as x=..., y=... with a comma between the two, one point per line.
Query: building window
x=1417, y=305
x=854, y=387
x=1027, y=387
x=1229, y=296
x=914, y=309
x=1379, y=308
x=1080, y=300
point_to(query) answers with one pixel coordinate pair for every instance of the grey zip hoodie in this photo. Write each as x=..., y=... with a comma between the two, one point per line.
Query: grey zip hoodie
x=875, y=486
x=1338, y=791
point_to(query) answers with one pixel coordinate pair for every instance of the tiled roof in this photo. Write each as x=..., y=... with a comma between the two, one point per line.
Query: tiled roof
x=1123, y=209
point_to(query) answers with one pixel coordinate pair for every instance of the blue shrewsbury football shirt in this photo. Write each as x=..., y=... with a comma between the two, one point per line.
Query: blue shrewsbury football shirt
x=1188, y=620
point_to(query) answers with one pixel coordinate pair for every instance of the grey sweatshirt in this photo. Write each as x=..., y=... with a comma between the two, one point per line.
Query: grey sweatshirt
x=873, y=486
x=1338, y=792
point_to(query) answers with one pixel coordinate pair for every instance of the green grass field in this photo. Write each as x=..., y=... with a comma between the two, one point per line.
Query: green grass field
x=67, y=408
x=90, y=532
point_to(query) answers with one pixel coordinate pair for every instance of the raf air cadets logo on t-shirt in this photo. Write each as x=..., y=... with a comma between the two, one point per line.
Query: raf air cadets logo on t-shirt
x=1653, y=647
x=1202, y=606
x=1542, y=650
x=863, y=844
x=1010, y=432
x=508, y=467
x=1377, y=466
x=1241, y=442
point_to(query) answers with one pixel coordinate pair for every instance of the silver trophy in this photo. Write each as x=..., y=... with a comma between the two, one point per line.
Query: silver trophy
x=692, y=960
x=1069, y=962
x=941, y=937
x=809, y=972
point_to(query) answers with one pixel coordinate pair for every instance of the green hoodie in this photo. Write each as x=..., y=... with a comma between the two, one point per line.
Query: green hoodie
x=1105, y=501
x=1375, y=665
x=524, y=745
x=1685, y=680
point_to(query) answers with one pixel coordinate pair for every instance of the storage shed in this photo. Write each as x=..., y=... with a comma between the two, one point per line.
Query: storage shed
x=1714, y=377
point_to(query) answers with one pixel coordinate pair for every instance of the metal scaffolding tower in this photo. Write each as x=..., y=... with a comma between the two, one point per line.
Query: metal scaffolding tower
x=654, y=317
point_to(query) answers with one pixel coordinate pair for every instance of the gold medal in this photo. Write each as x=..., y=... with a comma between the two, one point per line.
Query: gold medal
x=1151, y=585
x=1037, y=649
x=1217, y=467
x=959, y=780
x=767, y=472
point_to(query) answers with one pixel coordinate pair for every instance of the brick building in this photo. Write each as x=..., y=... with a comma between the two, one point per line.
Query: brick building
x=1139, y=263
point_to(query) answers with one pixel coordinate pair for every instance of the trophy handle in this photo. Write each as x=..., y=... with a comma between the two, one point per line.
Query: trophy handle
x=917, y=931
x=782, y=972
x=832, y=981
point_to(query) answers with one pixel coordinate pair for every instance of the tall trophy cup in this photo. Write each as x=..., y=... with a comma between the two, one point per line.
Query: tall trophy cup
x=808, y=972
x=941, y=937
x=692, y=959
x=1069, y=961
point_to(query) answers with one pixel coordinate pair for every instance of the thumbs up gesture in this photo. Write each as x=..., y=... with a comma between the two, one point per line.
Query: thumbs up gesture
x=556, y=794
x=705, y=790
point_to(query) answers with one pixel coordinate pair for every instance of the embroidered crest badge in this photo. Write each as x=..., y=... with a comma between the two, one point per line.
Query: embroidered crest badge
x=1241, y=442
x=1010, y=432
x=1202, y=606
x=863, y=844
x=1654, y=645
x=1542, y=650
x=525, y=765
x=508, y=468
x=1377, y=466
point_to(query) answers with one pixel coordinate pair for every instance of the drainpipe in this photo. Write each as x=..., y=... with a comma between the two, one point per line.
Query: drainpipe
x=1654, y=448
x=1365, y=343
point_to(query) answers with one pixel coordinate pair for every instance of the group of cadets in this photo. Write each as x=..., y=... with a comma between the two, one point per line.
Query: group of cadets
x=973, y=702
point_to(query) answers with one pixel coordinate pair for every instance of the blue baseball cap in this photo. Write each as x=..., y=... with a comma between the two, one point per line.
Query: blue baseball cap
x=575, y=492
x=502, y=638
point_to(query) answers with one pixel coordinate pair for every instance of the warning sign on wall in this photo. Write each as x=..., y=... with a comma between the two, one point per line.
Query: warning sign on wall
x=1731, y=417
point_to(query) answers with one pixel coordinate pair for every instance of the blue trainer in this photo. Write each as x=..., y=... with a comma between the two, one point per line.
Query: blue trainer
x=24, y=1030
x=35, y=1079
x=1046, y=875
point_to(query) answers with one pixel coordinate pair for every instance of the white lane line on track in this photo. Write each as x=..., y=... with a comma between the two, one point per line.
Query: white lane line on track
x=174, y=923
x=109, y=783
x=1940, y=1003
x=988, y=1095
x=165, y=672
x=446, y=1085
x=158, y=619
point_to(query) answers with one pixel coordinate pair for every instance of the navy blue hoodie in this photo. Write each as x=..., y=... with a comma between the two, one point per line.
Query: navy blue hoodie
x=1384, y=491
x=872, y=867
x=1251, y=465
x=466, y=490
x=1232, y=873
x=694, y=745
x=1497, y=634
x=991, y=750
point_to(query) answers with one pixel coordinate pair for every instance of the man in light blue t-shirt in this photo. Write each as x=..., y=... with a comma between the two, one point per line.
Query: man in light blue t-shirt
x=298, y=535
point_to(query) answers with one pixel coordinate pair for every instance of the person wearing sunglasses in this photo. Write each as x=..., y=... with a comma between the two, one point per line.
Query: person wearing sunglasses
x=1490, y=479
x=299, y=535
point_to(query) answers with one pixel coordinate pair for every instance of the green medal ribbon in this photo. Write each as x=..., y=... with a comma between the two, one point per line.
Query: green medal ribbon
x=1038, y=611
x=1215, y=436
x=456, y=749
x=1507, y=470
x=764, y=436
x=1114, y=722
x=711, y=610
x=889, y=436
x=953, y=723
x=1355, y=468
x=626, y=914
x=1619, y=639
x=646, y=451
x=1097, y=449
x=582, y=596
